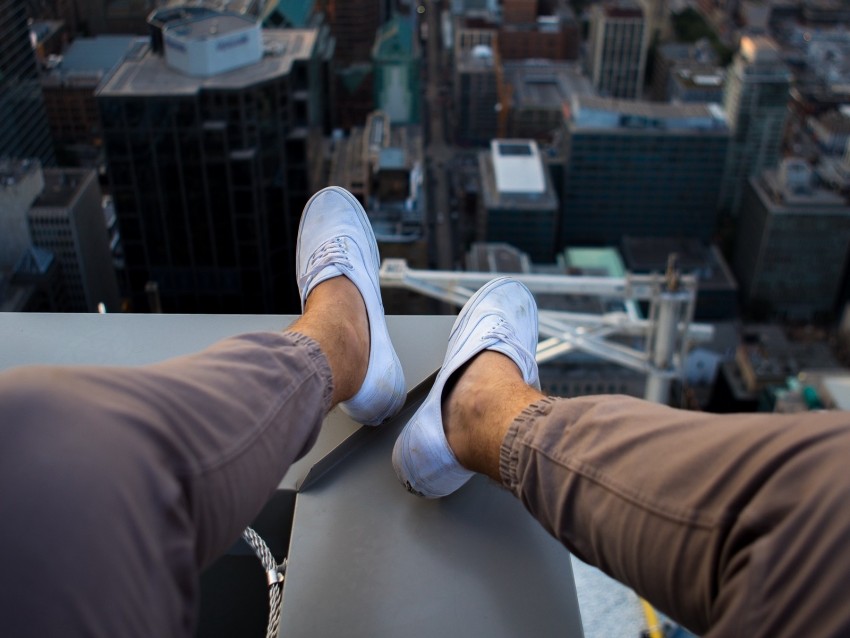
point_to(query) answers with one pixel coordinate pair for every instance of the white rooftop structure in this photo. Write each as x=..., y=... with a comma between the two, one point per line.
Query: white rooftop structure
x=518, y=167
x=145, y=73
x=212, y=44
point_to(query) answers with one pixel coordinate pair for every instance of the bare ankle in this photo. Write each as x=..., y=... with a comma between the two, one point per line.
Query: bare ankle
x=335, y=316
x=478, y=410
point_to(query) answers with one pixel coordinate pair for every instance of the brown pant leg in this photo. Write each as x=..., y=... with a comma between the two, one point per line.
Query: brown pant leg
x=118, y=484
x=734, y=525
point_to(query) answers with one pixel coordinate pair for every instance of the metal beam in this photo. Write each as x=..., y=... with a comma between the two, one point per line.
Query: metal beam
x=666, y=333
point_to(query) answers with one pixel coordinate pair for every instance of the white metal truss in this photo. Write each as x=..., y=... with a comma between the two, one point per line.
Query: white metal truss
x=661, y=340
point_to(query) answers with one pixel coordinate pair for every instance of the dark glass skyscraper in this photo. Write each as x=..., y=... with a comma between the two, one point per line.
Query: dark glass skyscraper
x=641, y=169
x=24, y=132
x=210, y=170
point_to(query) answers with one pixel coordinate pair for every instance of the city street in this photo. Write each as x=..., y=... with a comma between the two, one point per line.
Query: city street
x=438, y=152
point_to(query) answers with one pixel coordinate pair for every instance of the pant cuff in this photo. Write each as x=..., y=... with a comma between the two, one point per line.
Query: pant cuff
x=516, y=437
x=314, y=352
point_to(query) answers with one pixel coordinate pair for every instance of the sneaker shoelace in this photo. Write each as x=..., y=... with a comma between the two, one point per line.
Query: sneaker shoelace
x=331, y=253
x=504, y=331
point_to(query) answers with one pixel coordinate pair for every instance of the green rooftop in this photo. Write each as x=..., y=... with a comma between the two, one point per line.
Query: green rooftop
x=594, y=261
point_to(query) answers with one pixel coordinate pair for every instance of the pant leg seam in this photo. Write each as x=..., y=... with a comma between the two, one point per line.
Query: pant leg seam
x=319, y=368
x=591, y=473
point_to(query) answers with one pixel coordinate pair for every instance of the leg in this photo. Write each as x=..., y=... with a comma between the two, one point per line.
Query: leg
x=118, y=485
x=734, y=525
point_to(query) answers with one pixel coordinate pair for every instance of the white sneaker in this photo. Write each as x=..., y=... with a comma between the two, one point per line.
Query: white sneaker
x=335, y=238
x=501, y=316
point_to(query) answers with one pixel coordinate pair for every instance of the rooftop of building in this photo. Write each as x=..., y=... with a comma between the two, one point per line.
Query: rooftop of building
x=396, y=40
x=800, y=196
x=216, y=24
x=545, y=83
x=699, y=75
x=836, y=120
x=768, y=355
x=621, y=9
x=147, y=74
x=90, y=59
x=35, y=261
x=699, y=51
x=242, y=7
x=517, y=167
x=513, y=177
x=650, y=254
x=759, y=49
x=601, y=113
x=12, y=171
x=475, y=49
x=594, y=262
x=62, y=186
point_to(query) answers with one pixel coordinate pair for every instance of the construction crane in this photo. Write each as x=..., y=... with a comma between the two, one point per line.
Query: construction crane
x=665, y=335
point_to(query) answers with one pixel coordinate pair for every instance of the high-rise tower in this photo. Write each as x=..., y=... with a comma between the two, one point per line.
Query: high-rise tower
x=756, y=102
x=208, y=139
x=24, y=132
x=618, y=45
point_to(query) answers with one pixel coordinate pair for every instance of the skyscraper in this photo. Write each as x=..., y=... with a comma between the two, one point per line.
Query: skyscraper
x=793, y=242
x=353, y=24
x=478, y=70
x=640, y=168
x=21, y=181
x=756, y=102
x=397, y=69
x=618, y=45
x=67, y=219
x=210, y=163
x=519, y=205
x=24, y=132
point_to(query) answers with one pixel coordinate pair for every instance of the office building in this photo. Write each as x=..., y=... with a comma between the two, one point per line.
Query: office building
x=21, y=182
x=687, y=73
x=532, y=30
x=67, y=220
x=210, y=168
x=518, y=203
x=535, y=94
x=831, y=130
x=353, y=24
x=24, y=132
x=35, y=285
x=793, y=243
x=69, y=99
x=696, y=83
x=640, y=168
x=617, y=48
x=657, y=14
x=756, y=103
x=397, y=60
x=381, y=164
x=477, y=85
